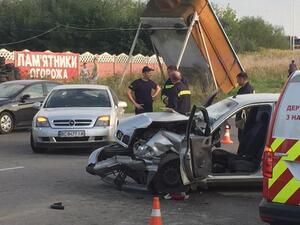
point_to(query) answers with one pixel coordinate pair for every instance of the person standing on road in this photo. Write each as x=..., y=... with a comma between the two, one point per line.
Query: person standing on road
x=245, y=88
x=168, y=88
x=144, y=90
x=180, y=101
x=292, y=68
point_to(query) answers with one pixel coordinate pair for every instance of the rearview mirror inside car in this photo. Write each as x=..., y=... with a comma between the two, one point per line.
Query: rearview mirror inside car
x=122, y=104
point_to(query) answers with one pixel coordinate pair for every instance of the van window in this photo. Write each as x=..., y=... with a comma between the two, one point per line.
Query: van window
x=287, y=123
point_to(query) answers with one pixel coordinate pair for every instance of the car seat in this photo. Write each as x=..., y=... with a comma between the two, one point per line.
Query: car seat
x=250, y=149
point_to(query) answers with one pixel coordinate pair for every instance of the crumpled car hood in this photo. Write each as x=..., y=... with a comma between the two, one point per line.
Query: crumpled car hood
x=129, y=125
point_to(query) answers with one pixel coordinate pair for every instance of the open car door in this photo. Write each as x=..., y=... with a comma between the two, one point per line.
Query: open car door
x=195, y=152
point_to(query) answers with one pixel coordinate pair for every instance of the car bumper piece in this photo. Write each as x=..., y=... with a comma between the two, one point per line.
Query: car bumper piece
x=279, y=213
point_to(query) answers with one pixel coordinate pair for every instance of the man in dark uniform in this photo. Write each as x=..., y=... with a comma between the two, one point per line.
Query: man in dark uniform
x=245, y=88
x=143, y=89
x=181, y=100
x=168, y=88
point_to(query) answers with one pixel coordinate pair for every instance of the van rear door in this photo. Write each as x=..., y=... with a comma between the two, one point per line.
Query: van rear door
x=281, y=166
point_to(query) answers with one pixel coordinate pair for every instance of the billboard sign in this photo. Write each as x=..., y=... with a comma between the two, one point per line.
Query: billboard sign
x=47, y=65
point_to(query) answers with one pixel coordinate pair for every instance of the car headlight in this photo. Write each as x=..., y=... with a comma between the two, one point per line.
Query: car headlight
x=102, y=121
x=42, y=121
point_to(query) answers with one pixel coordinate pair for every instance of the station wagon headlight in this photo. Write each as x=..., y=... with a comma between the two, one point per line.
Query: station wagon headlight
x=42, y=121
x=102, y=121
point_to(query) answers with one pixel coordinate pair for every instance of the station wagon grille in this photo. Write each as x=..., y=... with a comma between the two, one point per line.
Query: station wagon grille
x=72, y=123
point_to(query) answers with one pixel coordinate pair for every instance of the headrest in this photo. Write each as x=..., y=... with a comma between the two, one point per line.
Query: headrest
x=264, y=117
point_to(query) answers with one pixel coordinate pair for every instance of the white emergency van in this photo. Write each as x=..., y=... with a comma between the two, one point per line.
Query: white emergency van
x=281, y=160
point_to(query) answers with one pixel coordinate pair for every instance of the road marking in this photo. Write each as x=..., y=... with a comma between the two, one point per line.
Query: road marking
x=12, y=168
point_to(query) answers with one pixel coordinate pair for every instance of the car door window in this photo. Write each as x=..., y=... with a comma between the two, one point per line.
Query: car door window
x=34, y=91
x=50, y=86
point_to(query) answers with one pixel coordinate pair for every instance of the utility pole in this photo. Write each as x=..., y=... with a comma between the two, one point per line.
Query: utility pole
x=292, y=25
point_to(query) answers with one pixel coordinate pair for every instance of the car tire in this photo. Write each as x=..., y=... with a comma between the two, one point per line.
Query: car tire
x=168, y=179
x=34, y=148
x=6, y=123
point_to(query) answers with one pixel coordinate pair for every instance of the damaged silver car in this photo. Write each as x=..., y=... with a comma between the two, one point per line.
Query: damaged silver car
x=170, y=152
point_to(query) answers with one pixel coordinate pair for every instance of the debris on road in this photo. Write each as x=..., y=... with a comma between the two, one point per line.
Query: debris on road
x=177, y=196
x=58, y=206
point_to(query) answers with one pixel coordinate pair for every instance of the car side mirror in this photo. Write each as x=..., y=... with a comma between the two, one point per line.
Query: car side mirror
x=122, y=104
x=37, y=105
x=24, y=98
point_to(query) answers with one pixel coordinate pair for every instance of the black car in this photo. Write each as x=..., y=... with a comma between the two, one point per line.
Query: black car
x=16, y=102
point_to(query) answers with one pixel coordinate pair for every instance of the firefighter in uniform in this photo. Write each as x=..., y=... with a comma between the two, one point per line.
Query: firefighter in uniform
x=180, y=99
x=168, y=88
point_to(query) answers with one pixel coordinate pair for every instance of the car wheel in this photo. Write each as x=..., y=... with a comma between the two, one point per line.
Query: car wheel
x=168, y=179
x=6, y=123
x=33, y=146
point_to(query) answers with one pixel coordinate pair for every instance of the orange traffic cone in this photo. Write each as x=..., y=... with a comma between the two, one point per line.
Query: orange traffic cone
x=155, y=218
x=226, y=139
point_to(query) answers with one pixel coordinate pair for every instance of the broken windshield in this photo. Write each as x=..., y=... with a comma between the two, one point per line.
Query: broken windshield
x=217, y=110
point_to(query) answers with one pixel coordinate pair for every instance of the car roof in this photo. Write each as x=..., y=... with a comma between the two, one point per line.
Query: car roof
x=27, y=82
x=81, y=86
x=295, y=76
x=255, y=98
x=244, y=101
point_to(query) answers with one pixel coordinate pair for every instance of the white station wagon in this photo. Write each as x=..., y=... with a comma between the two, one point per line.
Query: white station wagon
x=76, y=116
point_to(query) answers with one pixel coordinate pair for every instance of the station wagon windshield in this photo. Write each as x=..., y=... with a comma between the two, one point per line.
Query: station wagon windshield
x=216, y=111
x=10, y=90
x=78, y=98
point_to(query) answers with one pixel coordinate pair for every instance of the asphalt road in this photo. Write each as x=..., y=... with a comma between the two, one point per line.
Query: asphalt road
x=29, y=183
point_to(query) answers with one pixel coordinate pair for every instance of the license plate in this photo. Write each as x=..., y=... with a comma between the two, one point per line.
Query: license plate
x=71, y=133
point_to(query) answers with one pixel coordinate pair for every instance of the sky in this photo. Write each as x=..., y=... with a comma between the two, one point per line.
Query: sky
x=277, y=12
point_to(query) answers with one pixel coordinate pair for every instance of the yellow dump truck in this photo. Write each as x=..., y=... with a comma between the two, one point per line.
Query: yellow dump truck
x=188, y=34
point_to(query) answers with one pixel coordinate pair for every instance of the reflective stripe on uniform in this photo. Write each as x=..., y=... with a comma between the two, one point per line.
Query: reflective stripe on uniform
x=185, y=92
x=169, y=86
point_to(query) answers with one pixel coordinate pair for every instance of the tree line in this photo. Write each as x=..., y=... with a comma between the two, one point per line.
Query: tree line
x=93, y=25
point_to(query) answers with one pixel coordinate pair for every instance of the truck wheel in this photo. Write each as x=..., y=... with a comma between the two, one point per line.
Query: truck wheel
x=6, y=123
x=34, y=148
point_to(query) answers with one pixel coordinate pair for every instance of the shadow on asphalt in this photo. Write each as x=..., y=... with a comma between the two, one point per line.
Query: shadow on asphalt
x=79, y=152
x=236, y=188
